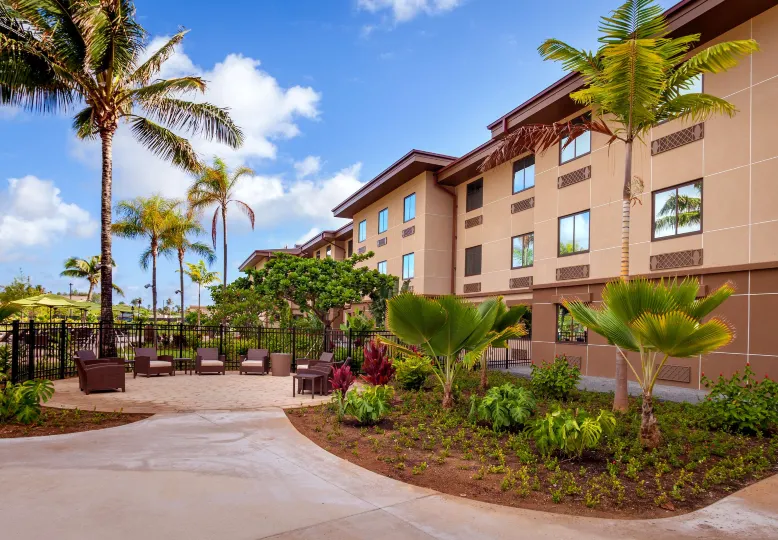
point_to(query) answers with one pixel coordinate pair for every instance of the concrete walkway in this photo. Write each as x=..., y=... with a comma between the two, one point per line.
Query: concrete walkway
x=251, y=475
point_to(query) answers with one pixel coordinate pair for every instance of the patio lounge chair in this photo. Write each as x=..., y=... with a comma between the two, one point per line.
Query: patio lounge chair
x=209, y=360
x=99, y=373
x=148, y=363
x=323, y=367
x=255, y=361
x=309, y=362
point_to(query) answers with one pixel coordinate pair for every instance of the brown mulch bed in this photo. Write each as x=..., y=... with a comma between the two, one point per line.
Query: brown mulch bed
x=60, y=421
x=421, y=445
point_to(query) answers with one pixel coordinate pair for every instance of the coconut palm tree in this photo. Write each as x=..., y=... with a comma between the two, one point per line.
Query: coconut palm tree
x=178, y=241
x=199, y=274
x=88, y=269
x=637, y=78
x=215, y=186
x=151, y=218
x=657, y=321
x=57, y=55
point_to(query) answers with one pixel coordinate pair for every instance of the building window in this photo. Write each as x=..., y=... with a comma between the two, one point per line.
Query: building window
x=475, y=195
x=362, y=231
x=567, y=329
x=473, y=261
x=580, y=146
x=408, y=266
x=524, y=174
x=318, y=254
x=350, y=249
x=678, y=210
x=383, y=220
x=382, y=267
x=523, y=250
x=409, y=207
x=574, y=234
x=329, y=252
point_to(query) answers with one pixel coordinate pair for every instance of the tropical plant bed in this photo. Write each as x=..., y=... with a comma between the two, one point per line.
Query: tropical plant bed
x=420, y=443
x=59, y=421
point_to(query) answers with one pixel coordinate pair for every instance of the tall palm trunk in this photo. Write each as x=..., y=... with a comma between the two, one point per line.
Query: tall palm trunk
x=154, y=286
x=106, y=271
x=649, y=429
x=224, y=222
x=620, y=399
x=181, y=275
x=198, y=304
x=89, y=293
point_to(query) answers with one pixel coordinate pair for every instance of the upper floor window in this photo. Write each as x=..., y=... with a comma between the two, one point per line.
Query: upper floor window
x=473, y=261
x=574, y=233
x=350, y=248
x=318, y=254
x=567, y=328
x=523, y=250
x=475, y=195
x=409, y=207
x=408, y=266
x=678, y=210
x=383, y=220
x=381, y=267
x=524, y=174
x=329, y=251
x=362, y=234
x=578, y=147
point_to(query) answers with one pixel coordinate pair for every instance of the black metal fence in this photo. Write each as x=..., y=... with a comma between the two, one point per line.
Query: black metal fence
x=32, y=350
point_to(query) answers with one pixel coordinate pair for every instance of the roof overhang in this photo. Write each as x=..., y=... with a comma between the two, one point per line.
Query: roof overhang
x=406, y=168
x=259, y=254
x=327, y=237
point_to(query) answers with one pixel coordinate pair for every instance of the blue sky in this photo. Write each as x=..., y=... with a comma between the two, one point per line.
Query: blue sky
x=329, y=93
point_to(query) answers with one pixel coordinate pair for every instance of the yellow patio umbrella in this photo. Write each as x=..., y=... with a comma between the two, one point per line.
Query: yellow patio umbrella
x=51, y=301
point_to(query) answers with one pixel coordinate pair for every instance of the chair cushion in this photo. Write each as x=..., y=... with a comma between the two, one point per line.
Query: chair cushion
x=211, y=363
x=159, y=363
x=253, y=363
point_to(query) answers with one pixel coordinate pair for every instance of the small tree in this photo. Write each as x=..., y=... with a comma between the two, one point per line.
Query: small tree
x=320, y=286
x=199, y=274
x=238, y=304
x=657, y=321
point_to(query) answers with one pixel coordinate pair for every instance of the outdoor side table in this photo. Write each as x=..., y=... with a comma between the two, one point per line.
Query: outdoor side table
x=280, y=364
x=303, y=377
x=187, y=363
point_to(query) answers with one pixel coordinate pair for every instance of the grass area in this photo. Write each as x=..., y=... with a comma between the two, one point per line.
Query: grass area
x=420, y=443
x=59, y=421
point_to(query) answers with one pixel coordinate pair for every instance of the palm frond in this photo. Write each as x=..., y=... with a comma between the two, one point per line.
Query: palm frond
x=164, y=88
x=203, y=119
x=696, y=107
x=584, y=62
x=85, y=125
x=246, y=210
x=215, y=225
x=635, y=19
x=714, y=59
x=146, y=71
x=165, y=144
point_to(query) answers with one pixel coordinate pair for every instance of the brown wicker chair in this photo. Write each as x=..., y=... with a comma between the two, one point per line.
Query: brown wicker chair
x=255, y=361
x=99, y=373
x=209, y=360
x=148, y=363
x=319, y=368
x=309, y=362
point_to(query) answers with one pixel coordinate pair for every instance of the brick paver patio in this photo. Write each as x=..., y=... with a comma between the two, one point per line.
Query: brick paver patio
x=184, y=393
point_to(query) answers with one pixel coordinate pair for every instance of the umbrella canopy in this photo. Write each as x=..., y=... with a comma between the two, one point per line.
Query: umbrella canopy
x=46, y=300
x=94, y=306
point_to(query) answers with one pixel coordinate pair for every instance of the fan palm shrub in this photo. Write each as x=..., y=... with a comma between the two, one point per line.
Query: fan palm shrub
x=657, y=321
x=638, y=77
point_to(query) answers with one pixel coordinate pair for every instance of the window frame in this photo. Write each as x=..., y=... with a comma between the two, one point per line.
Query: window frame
x=513, y=176
x=318, y=254
x=361, y=230
x=467, y=195
x=533, y=250
x=480, y=260
x=378, y=267
x=559, y=233
x=676, y=188
x=328, y=252
x=384, y=211
x=350, y=247
x=412, y=256
x=579, y=119
x=573, y=333
x=406, y=220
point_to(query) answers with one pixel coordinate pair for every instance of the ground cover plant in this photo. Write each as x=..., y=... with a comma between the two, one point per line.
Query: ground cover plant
x=420, y=442
x=59, y=421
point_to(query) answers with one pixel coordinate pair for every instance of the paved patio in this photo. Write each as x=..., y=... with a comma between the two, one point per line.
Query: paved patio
x=251, y=475
x=185, y=393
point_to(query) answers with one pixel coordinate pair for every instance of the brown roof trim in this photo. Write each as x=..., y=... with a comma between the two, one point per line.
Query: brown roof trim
x=402, y=170
x=267, y=253
x=465, y=167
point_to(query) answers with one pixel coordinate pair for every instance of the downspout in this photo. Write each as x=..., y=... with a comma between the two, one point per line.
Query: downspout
x=453, y=193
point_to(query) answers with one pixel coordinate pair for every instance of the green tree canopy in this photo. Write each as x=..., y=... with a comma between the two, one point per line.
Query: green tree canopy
x=20, y=287
x=238, y=304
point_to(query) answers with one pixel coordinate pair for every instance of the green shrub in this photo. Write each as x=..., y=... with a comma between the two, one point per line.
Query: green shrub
x=571, y=432
x=505, y=406
x=412, y=372
x=555, y=380
x=741, y=404
x=370, y=405
x=22, y=402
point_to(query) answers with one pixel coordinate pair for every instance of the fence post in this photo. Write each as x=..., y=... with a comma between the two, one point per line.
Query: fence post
x=100, y=338
x=31, y=352
x=15, y=352
x=221, y=338
x=62, y=349
x=324, y=345
x=294, y=350
x=349, y=343
x=180, y=340
x=507, y=354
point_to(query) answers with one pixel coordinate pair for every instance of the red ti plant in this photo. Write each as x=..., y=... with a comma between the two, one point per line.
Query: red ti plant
x=342, y=378
x=377, y=366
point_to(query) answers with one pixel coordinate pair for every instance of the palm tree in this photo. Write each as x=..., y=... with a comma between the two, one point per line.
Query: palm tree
x=637, y=78
x=657, y=321
x=151, y=218
x=443, y=328
x=199, y=274
x=57, y=55
x=88, y=269
x=136, y=303
x=178, y=241
x=216, y=186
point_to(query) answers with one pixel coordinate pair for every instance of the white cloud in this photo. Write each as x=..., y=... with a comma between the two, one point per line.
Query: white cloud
x=310, y=165
x=405, y=10
x=32, y=213
x=307, y=236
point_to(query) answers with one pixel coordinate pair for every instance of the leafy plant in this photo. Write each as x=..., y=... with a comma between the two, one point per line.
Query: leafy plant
x=742, y=404
x=571, y=432
x=505, y=406
x=412, y=372
x=342, y=378
x=22, y=402
x=370, y=405
x=377, y=365
x=357, y=323
x=556, y=379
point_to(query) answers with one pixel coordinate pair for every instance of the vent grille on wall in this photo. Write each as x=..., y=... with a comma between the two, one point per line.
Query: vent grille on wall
x=362, y=250
x=474, y=222
x=680, y=374
x=678, y=259
x=520, y=282
x=409, y=231
x=382, y=241
x=520, y=206
x=679, y=138
x=572, y=272
x=472, y=288
x=574, y=177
